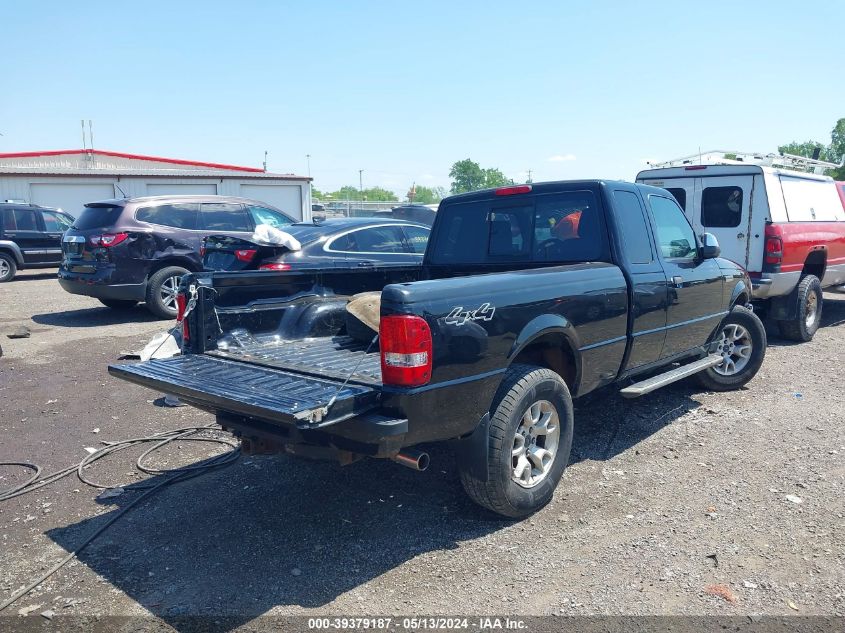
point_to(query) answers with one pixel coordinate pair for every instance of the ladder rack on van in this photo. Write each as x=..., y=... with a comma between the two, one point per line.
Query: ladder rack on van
x=726, y=157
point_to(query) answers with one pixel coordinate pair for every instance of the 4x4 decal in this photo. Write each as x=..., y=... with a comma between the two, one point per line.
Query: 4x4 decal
x=458, y=316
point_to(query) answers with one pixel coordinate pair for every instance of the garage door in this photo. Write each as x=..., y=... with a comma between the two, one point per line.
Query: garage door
x=287, y=198
x=192, y=189
x=70, y=197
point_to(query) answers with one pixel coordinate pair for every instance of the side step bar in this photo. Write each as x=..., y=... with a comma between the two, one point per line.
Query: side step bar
x=661, y=380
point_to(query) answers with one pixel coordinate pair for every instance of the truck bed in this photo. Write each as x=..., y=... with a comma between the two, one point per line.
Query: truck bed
x=325, y=357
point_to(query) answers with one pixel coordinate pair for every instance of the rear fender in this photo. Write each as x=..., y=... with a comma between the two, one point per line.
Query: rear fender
x=544, y=325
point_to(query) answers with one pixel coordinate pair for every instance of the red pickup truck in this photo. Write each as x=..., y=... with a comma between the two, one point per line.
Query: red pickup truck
x=786, y=227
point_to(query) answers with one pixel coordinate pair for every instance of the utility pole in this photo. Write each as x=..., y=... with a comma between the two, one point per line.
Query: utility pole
x=308, y=159
x=361, y=186
x=529, y=181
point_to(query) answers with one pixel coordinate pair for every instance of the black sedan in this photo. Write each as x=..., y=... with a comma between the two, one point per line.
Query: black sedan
x=333, y=243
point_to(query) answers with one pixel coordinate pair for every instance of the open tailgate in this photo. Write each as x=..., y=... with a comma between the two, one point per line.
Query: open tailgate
x=262, y=392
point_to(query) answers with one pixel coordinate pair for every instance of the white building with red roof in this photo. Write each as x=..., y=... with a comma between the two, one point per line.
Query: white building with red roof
x=67, y=179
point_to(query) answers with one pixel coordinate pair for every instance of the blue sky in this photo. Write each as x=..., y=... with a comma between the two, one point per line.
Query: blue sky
x=405, y=89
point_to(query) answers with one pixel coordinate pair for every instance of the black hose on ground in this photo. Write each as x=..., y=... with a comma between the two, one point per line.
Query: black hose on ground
x=176, y=474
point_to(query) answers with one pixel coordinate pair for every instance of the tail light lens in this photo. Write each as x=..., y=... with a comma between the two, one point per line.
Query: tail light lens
x=108, y=239
x=202, y=251
x=774, y=250
x=181, y=306
x=275, y=266
x=405, y=342
x=245, y=255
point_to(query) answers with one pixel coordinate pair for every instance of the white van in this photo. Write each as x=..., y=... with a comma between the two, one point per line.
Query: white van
x=787, y=228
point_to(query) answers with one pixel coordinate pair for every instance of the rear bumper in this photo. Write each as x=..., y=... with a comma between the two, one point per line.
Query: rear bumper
x=98, y=284
x=774, y=284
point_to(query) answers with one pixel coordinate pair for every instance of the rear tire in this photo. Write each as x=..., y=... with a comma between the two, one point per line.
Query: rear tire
x=161, y=291
x=803, y=327
x=8, y=267
x=739, y=331
x=529, y=441
x=118, y=304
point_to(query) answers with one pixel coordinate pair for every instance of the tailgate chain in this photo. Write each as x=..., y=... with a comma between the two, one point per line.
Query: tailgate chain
x=316, y=415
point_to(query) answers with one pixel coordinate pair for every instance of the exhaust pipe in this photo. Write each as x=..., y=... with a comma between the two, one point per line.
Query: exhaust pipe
x=412, y=458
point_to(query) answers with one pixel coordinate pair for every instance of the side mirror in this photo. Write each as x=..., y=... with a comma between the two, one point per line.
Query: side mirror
x=709, y=246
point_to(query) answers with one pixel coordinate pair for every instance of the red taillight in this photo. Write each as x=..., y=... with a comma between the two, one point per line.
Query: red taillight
x=246, y=254
x=202, y=251
x=275, y=266
x=181, y=306
x=512, y=191
x=108, y=239
x=774, y=250
x=405, y=342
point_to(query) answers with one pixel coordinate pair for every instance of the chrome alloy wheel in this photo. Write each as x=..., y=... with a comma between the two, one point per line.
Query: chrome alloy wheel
x=734, y=345
x=535, y=444
x=169, y=290
x=812, y=308
x=4, y=268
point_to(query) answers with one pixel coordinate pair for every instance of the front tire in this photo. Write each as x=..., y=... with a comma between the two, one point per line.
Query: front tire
x=803, y=327
x=8, y=267
x=529, y=441
x=162, y=289
x=742, y=345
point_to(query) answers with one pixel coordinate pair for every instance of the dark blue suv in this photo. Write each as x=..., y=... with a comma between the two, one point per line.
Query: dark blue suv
x=126, y=251
x=30, y=237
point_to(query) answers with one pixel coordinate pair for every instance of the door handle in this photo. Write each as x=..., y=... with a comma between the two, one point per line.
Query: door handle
x=366, y=264
x=740, y=236
x=678, y=282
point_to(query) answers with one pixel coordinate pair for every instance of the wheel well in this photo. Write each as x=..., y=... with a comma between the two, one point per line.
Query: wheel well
x=172, y=261
x=553, y=352
x=741, y=300
x=815, y=264
x=10, y=253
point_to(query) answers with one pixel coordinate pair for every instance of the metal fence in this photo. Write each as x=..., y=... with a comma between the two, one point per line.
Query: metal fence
x=353, y=208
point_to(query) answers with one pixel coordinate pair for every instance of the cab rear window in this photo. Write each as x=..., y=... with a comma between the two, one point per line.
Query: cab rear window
x=97, y=217
x=555, y=228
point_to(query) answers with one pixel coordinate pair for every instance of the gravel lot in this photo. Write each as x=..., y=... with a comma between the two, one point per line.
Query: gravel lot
x=666, y=497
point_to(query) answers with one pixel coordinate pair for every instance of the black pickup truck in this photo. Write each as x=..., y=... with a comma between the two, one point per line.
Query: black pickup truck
x=528, y=296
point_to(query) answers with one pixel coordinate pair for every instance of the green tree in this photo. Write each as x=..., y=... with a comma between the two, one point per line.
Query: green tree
x=347, y=192
x=377, y=194
x=495, y=178
x=467, y=175
x=804, y=149
x=427, y=195
x=836, y=151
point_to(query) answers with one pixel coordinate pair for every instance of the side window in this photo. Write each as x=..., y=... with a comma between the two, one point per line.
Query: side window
x=179, y=216
x=509, y=233
x=680, y=195
x=262, y=215
x=721, y=206
x=55, y=222
x=379, y=239
x=567, y=228
x=9, y=223
x=633, y=230
x=225, y=217
x=675, y=237
x=417, y=238
x=25, y=220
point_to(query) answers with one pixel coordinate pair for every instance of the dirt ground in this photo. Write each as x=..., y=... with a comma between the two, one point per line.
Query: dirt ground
x=666, y=497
